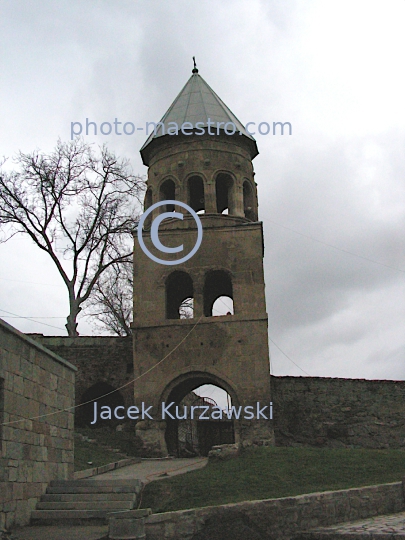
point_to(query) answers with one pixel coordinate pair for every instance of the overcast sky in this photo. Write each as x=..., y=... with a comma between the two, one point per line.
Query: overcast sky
x=334, y=70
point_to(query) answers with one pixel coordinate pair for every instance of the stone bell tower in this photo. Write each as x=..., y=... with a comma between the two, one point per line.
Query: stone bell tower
x=209, y=169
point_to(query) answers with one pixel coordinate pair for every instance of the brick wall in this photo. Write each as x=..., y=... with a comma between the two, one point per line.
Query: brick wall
x=34, y=382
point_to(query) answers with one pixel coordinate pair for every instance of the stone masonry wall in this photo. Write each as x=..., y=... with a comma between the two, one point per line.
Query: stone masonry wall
x=33, y=382
x=98, y=359
x=313, y=411
x=338, y=413
x=276, y=519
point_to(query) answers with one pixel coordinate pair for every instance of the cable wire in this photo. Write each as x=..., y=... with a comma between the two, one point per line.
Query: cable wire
x=306, y=373
x=337, y=248
x=113, y=391
x=30, y=319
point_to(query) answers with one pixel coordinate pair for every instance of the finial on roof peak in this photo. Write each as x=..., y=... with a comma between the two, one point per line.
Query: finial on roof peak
x=195, y=70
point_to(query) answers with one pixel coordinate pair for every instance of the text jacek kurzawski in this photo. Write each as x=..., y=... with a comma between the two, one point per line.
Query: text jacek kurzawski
x=172, y=411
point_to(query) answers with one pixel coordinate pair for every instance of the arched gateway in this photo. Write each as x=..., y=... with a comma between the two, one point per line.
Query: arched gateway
x=212, y=172
x=208, y=432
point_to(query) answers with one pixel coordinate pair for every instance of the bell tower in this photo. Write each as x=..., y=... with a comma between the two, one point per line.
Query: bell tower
x=180, y=342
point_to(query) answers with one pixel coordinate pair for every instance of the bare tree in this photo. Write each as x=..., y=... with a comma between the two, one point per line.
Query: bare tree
x=77, y=206
x=186, y=309
x=110, y=304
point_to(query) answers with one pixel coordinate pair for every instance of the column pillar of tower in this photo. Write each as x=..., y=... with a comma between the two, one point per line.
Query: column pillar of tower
x=238, y=202
x=210, y=197
x=199, y=297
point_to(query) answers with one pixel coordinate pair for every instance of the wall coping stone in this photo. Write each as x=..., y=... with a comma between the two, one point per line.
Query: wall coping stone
x=336, y=379
x=80, y=340
x=131, y=514
x=36, y=344
x=94, y=471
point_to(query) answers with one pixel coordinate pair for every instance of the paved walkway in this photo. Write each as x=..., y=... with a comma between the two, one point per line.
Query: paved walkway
x=380, y=527
x=154, y=469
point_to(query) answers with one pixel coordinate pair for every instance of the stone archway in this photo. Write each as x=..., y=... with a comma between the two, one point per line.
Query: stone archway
x=85, y=414
x=209, y=432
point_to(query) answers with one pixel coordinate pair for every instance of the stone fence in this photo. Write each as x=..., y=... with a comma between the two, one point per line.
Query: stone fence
x=36, y=446
x=276, y=519
x=338, y=413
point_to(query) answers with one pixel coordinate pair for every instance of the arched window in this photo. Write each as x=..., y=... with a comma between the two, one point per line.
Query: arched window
x=167, y=192
x=224, y=194
x=218, y=284
x=179, y=296
x=248, y=201
x=196, y=194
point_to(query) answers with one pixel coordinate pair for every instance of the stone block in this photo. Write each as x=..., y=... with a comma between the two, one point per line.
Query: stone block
x=14, y=450
x=223, y=452
x=9, y=506
x=18, y=384
x=12, y=475
x=127, y=525
x=26, y=368
x=6, y=492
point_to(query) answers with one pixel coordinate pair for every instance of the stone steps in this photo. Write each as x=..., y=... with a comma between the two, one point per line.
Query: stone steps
x=94, y=482
x=84, y=502
x=71, y=497
x=96, y=489
x=87, y=505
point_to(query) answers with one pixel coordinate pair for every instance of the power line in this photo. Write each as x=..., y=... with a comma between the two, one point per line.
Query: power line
x=30, y=319
x=303, y=370
x=31, y=282
x=337, y=248
x=33, y=317
x=112, y=391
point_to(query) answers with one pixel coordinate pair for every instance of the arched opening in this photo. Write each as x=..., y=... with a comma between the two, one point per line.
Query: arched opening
x=186, y=433
x=179, y=296
x=224, y=194
x=167, y=192
x=196, y=197
x=223, y=305
x=248, y=201
x=85, y=414
x=218, y=284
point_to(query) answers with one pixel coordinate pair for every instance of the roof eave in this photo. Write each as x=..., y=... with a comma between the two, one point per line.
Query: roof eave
x=148, y=148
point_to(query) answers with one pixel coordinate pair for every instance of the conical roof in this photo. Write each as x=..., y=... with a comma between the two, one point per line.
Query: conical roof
x=197, y=103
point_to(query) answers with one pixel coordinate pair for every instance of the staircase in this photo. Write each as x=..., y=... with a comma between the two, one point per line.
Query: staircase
x=84, y=502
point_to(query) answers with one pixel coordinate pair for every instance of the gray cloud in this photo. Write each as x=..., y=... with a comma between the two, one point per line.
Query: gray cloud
x=331, y=69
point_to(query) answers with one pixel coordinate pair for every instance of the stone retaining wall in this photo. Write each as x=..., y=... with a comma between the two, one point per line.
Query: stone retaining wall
x=33, y=382
x=277, y=519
